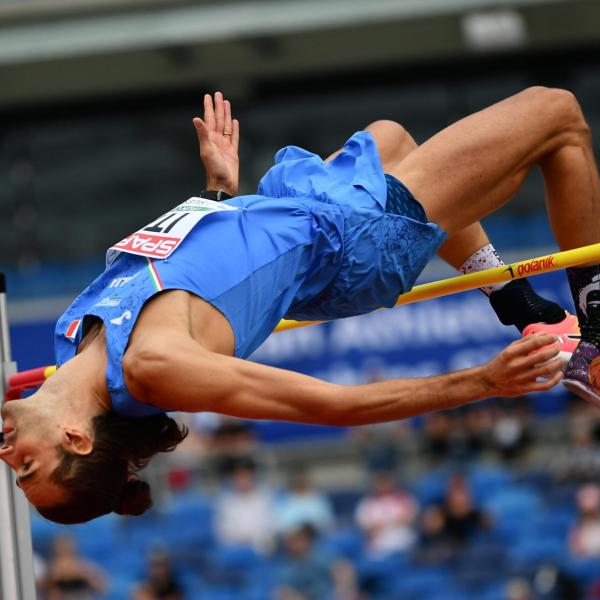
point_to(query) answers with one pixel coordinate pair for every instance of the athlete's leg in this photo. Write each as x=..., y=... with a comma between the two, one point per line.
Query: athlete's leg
x=469, y=249
x=473, y=167
x=394, y=144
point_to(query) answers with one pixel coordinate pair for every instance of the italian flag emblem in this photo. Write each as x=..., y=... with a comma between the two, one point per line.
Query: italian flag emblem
x=72, y=329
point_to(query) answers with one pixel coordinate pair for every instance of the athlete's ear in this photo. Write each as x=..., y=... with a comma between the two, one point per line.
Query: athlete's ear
x=77, y=442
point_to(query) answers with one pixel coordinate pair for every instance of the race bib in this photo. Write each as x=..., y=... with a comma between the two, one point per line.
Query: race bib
x=161, y=238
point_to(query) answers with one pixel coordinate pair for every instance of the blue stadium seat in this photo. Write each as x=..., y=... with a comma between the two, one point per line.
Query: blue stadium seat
x=43, y=533
x=192, y=583
x=231, y=558
x=513, y=501
x=511, y=528
x=422, y=583
x=345, y=542
x=482, y=562
x=236, y=568
x=96, y=538
x=487, y=482
x=450, y=592
x=126, y=561
x=120, y=586
x=542, y=481
x=431, y=488
x=496, y=591
x=584, y=570
x=378, y=576
x=344, y=503
x=536, y=550
x=553, y=522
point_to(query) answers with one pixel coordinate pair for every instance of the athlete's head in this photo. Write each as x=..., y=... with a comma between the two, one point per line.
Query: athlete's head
x=73, y=469
x=105, y=479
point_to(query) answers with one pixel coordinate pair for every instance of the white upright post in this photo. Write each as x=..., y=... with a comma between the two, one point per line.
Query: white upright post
x=16, y=554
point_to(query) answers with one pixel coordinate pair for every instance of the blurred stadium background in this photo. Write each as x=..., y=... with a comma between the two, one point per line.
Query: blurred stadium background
x=493, y=502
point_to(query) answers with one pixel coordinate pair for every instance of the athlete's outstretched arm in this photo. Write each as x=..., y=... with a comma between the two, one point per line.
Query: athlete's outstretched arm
x=189, y=378
x=218, y=136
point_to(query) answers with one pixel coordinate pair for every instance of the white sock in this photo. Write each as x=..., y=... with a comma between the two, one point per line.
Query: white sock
x=484, y=258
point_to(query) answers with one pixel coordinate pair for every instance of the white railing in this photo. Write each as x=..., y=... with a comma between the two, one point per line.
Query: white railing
x=16, y=555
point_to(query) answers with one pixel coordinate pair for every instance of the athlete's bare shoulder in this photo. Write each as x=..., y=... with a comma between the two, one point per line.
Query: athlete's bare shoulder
x=179, y=313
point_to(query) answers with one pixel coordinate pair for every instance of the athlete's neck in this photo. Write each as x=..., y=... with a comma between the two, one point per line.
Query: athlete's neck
x=81, y=381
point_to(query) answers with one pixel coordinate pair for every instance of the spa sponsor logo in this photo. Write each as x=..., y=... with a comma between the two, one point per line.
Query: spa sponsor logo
x=147, y=244
x=161, y=237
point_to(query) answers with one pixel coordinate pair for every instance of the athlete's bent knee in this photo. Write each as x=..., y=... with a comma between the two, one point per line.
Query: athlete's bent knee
x=564, y=104
x=394, y=143
x=387, y=127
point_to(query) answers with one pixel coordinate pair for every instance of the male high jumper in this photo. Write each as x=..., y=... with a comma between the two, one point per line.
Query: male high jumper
x=185, y=299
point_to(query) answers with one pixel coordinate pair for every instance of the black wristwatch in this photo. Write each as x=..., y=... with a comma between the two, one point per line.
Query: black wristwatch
x=218, y=195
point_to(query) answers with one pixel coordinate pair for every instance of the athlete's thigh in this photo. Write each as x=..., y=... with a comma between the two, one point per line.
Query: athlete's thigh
x=472, y=167
x=393, y=143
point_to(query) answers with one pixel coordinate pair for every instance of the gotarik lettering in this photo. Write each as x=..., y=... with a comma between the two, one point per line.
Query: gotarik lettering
x=536, y=265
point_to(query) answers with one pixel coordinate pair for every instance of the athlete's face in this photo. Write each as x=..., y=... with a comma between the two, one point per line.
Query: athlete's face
x=30, y=448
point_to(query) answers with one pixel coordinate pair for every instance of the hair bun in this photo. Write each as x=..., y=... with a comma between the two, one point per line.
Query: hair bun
x=135, y=499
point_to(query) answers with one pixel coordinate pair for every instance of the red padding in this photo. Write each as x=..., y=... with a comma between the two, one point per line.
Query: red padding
x=19, y=382
x=29, y=378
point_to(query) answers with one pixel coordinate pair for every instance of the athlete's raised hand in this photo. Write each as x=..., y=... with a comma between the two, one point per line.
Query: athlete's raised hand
x=530, y=364
x=218, y=135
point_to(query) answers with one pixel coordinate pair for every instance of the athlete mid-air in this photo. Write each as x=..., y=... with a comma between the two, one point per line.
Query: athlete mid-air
x=185, y=299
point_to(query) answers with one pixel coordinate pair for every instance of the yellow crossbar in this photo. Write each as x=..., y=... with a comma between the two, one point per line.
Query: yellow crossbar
x=471, y=281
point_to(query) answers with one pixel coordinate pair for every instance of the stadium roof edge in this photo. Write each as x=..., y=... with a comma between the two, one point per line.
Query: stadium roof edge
x=80, y=33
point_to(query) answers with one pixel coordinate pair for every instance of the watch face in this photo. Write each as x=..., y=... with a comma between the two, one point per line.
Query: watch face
x=217, y=195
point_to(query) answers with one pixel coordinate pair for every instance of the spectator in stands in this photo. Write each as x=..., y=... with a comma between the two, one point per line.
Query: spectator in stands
x=69, y=576
x=162, y=583
x=304, y=572
x=379, y=445
x=217, y=440
x=551, y=582
x=578, y=460
x=459, y=436
x=387, y=517
x=434, y=545
x=462, y=519
x=519, y=589
x=345, y=581
x=302, y=504
x=509, y=433
x=446, y=529
x=437, y=435
x=244, y=511
x=231, y=440
x=477, y=425
x=593, y=592
x=584, y=537
x=455, y=437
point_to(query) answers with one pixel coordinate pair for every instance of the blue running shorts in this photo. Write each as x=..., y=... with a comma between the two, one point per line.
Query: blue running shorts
x=383, y=254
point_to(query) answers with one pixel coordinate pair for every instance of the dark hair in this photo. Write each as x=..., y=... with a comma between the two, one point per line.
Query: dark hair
x=105, y=480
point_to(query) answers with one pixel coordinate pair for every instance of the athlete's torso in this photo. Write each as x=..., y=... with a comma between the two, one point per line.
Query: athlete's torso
x=243, y=270
x=316, y=245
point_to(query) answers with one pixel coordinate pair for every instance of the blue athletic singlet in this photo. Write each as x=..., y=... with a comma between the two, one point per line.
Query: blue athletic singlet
x=314, y=244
